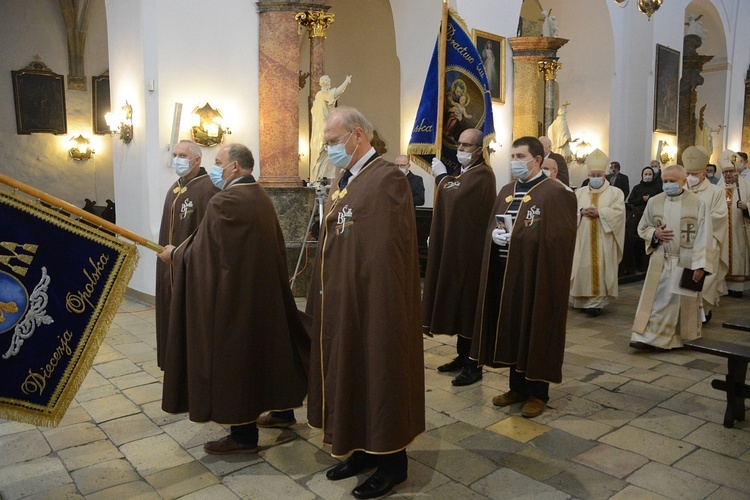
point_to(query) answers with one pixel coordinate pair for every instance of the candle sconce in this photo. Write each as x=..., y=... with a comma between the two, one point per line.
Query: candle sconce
x=207, y=127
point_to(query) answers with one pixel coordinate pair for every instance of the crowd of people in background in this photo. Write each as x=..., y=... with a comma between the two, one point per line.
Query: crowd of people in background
x=497, y=265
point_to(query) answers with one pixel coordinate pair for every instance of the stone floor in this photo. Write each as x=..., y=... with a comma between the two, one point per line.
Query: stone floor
x=623, y=424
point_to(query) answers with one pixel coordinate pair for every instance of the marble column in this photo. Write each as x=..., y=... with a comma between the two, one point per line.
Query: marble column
x=279, y=126
x=692, y=66
x=549, y=70
x=316, y=22
x=279, y=88
x=528, y=85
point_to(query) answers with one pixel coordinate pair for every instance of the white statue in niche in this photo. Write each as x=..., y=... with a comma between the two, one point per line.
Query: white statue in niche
x=559, y=134
x=695, y=27
x=324, y=103
x=549, y=27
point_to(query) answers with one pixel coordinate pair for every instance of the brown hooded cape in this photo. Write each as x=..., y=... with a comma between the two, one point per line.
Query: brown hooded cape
x=454, y=258
x=366, y=368
x=184, y=208
x=533, y=309
x=236, y=346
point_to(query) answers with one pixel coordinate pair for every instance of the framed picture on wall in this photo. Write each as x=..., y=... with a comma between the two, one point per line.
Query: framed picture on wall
x=39, y=96
x=666, y=89
x=100, y=104
x=492, y=51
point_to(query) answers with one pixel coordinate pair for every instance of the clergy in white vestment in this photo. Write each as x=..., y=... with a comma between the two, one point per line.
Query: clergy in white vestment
x=677, y=229
x=599, y=239
x=695, y=160
x=736, y=193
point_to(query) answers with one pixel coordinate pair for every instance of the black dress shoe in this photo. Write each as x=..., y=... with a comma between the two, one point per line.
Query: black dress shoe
x=356, y=463
x=593, y=311
x=378, y=484
x=457, y=364
x=709, y=315
x=467, y=377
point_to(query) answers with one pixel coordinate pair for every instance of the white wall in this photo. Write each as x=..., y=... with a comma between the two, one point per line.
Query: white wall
x=193, y=52
x=36, y=28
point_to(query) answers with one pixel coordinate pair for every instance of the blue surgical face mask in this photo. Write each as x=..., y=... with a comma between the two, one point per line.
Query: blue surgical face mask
x=216, y=175
x=338, y=155
x=520, y=169
x=671, y=188
x=181, y=166
x=596, y=182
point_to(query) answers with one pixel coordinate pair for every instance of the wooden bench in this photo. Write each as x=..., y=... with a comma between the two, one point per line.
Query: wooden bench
x=734, y=385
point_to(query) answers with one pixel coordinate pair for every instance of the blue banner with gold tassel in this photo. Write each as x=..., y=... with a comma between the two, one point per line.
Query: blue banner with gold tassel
x=466, y=101
x=61, y=282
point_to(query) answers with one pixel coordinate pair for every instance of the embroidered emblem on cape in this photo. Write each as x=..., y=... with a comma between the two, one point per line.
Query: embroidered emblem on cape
x=344, y=221
x=186, y=210
x=688, y=231
x=533, y=216
x=450, y=186
x=37, y=313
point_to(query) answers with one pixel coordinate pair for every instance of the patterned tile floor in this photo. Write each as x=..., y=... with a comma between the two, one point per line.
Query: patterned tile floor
x=623, y=424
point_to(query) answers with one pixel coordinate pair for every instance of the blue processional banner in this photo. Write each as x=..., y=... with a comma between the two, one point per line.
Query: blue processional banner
x=61, y=283
x=467, y=101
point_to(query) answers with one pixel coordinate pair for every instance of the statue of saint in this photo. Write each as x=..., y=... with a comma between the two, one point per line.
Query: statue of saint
x=324, y=103
x=559, y=134
x=695, y=27
x=549, y=28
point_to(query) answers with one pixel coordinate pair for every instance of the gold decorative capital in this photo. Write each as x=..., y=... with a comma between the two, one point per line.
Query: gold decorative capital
x=549, y=69
x=316, y=22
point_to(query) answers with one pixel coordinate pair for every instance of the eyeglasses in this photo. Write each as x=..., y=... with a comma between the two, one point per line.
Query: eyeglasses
x=467, y=145
x=401, y=165
x=336, y=141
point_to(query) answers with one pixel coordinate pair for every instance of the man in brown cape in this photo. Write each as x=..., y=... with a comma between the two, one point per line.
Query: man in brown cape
x=236, y=346
x=525, y=279
x=184, y=208
x=454, y=259
x=366, y=367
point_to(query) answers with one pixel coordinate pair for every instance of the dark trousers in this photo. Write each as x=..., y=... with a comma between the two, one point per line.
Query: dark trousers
x=391, y=463
x=463, y=348
x=536, y=388
x=245, y=434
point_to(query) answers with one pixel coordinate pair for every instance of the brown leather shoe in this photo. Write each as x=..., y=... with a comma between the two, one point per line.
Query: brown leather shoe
x=269, y=420
x=533, y=407
x=228, y=446
x=509, y=398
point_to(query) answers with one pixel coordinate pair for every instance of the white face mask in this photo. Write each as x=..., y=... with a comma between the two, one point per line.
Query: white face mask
x=181, y=166
x=404, y=170
x=693, y=180
x=596, y=182
x=464, y=157
x=520, y=169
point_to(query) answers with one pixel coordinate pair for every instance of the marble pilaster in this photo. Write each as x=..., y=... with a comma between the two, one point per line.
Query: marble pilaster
x=528, y=84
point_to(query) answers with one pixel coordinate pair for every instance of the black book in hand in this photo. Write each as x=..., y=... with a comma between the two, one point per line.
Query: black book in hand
x=686, y=281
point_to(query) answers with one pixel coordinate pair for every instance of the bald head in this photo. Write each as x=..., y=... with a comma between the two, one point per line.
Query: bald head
x=550, y=167
x=546, y=143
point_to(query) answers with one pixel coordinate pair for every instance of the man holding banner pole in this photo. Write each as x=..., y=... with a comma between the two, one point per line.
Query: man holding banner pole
x=233, y=318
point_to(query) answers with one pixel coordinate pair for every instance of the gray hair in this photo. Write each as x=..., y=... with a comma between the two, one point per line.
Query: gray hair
x=351, y=118
x=242, y=155
x=195, y=150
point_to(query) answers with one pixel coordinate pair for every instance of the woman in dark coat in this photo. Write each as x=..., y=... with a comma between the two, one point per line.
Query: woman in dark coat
x=639, y=196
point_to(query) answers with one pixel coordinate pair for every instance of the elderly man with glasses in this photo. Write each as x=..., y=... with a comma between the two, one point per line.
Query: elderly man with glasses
x=462, y=207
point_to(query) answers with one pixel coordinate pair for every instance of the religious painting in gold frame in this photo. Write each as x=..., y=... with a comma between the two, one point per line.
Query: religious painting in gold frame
x=39, y=98
x=491, y=49
x=666, y=89
x=100, y=103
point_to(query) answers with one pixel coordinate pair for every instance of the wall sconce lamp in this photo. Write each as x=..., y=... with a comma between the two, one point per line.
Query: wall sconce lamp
x=121, y=122
x=207, y=129
x=582, y=150
x=667, y=154
x=80, y=148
